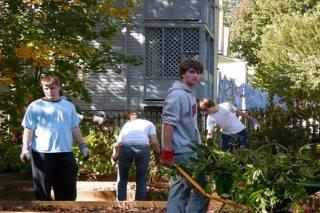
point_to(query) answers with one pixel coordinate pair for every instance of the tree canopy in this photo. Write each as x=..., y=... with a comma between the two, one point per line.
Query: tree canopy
x=61, y=37
x=290, y=56
x=280, y=39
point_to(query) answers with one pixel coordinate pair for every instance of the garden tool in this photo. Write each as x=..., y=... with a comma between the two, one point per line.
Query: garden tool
x=211, y=196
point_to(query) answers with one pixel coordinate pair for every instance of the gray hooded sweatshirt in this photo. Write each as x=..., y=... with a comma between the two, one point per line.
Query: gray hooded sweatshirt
x=180, y=111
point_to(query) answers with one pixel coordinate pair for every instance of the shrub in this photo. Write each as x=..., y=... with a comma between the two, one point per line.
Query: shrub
x=100, y=140
x=10, y=159
x=259, y=179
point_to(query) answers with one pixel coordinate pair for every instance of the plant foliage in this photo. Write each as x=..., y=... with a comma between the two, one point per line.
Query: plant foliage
x=271, y=177
x=280, y=39
x=100, y=141
x=60, y=37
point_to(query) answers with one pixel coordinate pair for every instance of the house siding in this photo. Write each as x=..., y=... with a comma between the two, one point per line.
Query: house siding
x=136, y=89
x=107, y=90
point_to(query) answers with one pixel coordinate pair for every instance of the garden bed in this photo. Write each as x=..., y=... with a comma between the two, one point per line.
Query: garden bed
x=91, y=206
x=94, y=196
x=86, y=190
x=83, y=206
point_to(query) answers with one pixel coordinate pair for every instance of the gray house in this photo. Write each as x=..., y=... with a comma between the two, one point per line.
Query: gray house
x=167, y=31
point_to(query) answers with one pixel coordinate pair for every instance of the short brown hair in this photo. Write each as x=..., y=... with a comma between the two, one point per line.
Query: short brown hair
x=129, y=113
x=50, y=80
x=186, y=64
x=206, y=103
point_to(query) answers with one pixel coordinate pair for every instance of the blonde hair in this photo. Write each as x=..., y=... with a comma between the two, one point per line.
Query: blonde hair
x=50, y=80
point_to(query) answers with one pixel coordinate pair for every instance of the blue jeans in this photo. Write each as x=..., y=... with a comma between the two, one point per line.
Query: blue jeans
x=238, y=140
x=141, y=155
x=183, y=197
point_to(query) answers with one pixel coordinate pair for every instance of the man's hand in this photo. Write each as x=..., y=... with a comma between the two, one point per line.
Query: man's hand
x=115, y=154
x=25, y=153
x=97, y=120
x=208, y=136
x=85, y=151
x=255, y=124
x=114, y=160
x=167, y=157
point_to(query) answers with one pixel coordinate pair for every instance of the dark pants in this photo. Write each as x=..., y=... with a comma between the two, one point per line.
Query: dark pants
x=234, y=141
x=56, y=170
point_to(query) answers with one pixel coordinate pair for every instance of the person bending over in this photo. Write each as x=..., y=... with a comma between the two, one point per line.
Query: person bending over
x=224, y=116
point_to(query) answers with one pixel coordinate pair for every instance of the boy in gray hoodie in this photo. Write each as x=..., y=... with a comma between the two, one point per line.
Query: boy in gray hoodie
x=179, y=138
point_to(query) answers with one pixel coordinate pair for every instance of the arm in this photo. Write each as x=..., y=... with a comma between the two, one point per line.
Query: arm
x=154, y=144
x=167, y=154
x=76, y=133
x=209, y=134
x=167, y=135
x=96, y=120
x=253, y=121
x=244, y=115
x=27, y=136
x=116, y=146
x=115, y=151
x=85, y=118
x=210, y=128
x=26, y=140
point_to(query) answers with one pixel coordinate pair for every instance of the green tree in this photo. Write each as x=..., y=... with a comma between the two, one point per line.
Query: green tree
x=61, y=37
x=243, y=39
x=280, y=39
x=250, y=19
x=228, y=7
x=289, y=57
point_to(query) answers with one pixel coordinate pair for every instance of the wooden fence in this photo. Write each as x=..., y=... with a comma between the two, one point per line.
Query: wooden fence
x=118, y=119
x=311, y=125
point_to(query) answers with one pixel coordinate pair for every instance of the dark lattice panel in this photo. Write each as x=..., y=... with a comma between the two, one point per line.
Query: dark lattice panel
x=165, y=47
x=154, y=52
x=191, y=42
x=172, y=50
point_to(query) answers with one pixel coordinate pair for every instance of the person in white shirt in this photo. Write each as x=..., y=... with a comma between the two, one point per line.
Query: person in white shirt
x=224, y=116
x=133, y=144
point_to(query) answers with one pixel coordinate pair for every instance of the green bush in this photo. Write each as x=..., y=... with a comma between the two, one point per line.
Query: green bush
x=259, y=179
x=291, y=128
x=280, y=168
x=100, y=140
x=10, y=159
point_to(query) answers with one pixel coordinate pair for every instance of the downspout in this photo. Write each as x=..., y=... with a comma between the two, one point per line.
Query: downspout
x=126, y=69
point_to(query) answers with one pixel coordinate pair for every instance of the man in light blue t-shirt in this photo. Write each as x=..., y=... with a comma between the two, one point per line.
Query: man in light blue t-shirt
x=50, y=125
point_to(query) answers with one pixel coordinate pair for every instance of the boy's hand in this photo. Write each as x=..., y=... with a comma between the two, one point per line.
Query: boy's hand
x=255, y=124
x=97, y=120
x=167, y=157
x=114, y=160
x=25, y=154
x=85, y=151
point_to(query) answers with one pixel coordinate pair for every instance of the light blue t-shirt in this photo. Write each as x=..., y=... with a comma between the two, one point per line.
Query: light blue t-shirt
x=52, y=123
